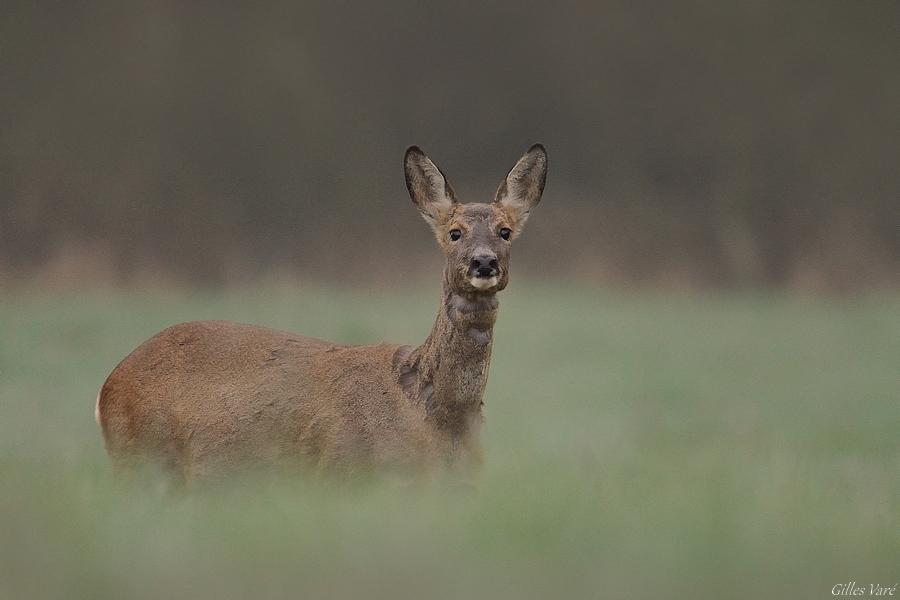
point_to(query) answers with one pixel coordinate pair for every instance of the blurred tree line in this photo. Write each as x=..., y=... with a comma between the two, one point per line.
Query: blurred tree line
x=691, y=143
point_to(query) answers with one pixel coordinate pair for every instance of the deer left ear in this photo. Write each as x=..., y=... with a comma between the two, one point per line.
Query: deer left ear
x=521, y=190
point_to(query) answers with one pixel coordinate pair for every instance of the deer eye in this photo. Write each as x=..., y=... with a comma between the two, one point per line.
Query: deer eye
x=455, y=234
x=505, y=232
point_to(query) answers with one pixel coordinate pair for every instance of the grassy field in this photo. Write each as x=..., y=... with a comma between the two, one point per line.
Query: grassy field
x=637, y=446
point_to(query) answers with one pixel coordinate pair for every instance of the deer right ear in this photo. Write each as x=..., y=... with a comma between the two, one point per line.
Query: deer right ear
x=428, y=188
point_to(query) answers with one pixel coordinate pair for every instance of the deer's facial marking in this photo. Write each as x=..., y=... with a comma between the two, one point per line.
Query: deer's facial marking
x=483, y=283
x=479, y=336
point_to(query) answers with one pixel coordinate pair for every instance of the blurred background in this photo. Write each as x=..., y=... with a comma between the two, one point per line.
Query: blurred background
x=694, y=386
x=691, y=144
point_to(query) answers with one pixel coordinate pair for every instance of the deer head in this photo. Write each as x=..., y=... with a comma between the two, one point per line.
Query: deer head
x=476, y=237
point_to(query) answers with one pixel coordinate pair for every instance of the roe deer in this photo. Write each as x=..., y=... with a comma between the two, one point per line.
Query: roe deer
x=201, y=398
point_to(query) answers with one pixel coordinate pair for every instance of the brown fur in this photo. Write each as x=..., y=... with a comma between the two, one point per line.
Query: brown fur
x=203, y=398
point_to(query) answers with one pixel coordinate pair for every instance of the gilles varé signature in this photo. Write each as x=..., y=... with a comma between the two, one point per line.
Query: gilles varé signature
x=853, y=588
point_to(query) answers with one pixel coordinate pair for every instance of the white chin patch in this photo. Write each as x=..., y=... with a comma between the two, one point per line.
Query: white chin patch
x=483, y=283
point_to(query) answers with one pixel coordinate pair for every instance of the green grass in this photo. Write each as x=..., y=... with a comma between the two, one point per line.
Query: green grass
x=637, y=446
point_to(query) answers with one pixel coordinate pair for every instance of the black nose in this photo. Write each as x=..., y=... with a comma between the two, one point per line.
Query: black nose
x=484, y=265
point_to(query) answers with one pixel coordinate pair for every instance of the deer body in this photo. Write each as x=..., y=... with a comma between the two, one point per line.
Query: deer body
x=204, y=398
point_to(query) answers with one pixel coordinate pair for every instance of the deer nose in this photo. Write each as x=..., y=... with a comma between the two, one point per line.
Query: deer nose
x=484, y=265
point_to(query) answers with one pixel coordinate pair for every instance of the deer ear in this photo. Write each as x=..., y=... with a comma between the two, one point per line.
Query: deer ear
x=523, y=186
x=428, y=188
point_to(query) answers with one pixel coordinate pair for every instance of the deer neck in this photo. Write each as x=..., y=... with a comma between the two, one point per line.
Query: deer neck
x=447, y=374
